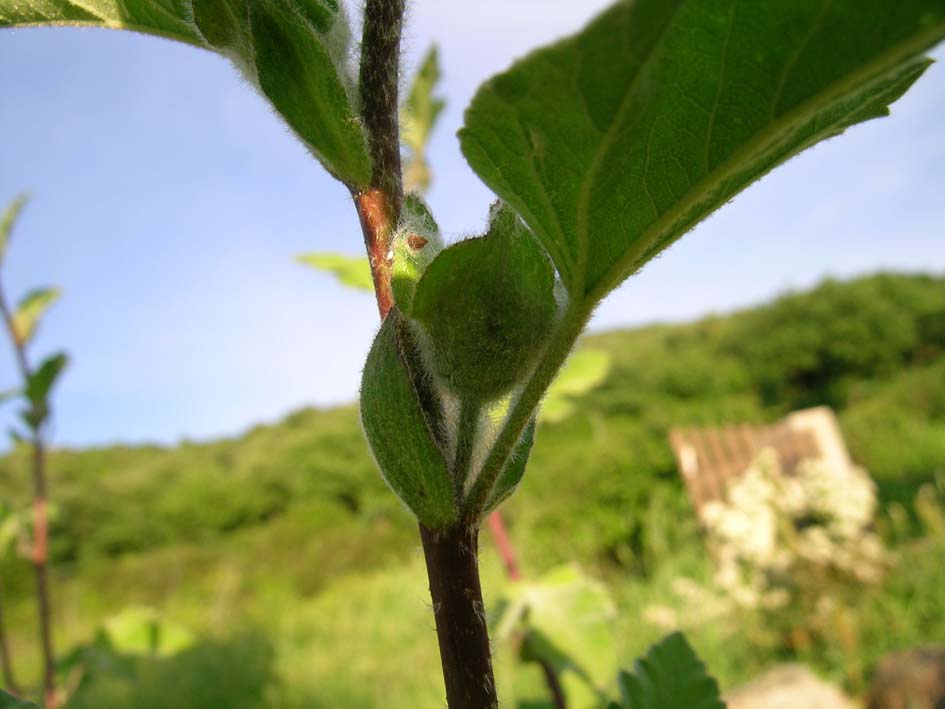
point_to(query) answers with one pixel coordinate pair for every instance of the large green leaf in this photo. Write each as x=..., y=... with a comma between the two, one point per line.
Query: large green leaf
x=669, y=676
x=8, y=220
x=30, y=310
x=614, y=142
x=295, y=51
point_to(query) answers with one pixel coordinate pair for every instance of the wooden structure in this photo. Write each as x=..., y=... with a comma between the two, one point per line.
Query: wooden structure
x=709, y=457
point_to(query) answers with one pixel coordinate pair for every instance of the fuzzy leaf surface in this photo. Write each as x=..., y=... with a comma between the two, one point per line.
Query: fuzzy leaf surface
x=669, y=676
x=294, y=51
x=614, y=142
x=398, y=430
x=416, y=244
x=514, y=469
x=487, y=305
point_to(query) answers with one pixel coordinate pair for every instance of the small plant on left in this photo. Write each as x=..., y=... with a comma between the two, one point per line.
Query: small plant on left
x=34, y=389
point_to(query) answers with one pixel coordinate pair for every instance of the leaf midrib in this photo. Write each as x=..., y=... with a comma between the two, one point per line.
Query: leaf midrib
x=584, y=196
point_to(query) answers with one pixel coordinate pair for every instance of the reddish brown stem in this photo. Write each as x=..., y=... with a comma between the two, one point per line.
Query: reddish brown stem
x=377, y=221
x=504, y=545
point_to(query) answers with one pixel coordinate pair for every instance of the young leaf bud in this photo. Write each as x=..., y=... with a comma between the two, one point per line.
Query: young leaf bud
x=487, y=307
x=398, y=431
x=416, y=244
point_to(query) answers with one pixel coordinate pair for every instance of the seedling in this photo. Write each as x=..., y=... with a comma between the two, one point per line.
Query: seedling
x=603, y=149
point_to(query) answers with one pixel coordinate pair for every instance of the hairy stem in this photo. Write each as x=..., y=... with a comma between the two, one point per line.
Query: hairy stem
x=379, y=205
x=453, y=570
x=451, y=555
x=40, y=521
x=562, y=340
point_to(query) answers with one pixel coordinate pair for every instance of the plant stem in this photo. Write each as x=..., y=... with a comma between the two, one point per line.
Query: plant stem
x=40, y=559
x=5, y=657
x=451, y=555
x=40, y=521
x=379, y=205
x=453, y=570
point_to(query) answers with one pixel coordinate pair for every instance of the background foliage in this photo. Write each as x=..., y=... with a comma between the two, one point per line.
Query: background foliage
x=284, y=554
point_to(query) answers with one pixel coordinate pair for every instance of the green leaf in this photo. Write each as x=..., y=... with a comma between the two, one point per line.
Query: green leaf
x=8, y=701
x=514, y=469
x=418, y=116
x=30, y=310
x=584, y=370
x=351, y=271
x=8, y=220
x=487, y=306
x=616, y=141
x=399, y=429
x=139, y=630
x=567, y=619
x=669, y=676
x=42, y=380
x=294, y=51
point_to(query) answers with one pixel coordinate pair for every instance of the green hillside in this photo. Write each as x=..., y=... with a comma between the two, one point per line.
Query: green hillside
x=260, y=544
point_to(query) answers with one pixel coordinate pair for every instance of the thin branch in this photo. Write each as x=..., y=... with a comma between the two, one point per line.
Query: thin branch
x=40, y=519
x=379, y=206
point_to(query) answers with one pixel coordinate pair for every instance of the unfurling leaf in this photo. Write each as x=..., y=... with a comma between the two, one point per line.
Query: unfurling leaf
x=416, y=243
x=669, y=676
x=294, y=51
x=30, y=310
x=616, y=141
x=8, y=221
x=418, y=117
x=351, y=271
x=395, y=413
x=487, y=307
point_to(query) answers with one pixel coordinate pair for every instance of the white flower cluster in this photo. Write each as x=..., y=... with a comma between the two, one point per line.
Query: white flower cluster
x=778, y=534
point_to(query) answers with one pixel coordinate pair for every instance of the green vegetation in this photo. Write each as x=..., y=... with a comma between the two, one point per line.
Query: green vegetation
x=284, y=553
x=606, y=147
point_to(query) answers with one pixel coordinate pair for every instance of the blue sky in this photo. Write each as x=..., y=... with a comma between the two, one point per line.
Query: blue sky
x=169, y=203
